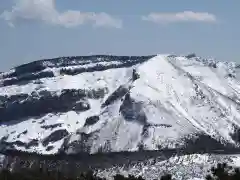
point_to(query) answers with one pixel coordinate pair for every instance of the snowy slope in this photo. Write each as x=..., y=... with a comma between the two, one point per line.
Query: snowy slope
x=111, y=104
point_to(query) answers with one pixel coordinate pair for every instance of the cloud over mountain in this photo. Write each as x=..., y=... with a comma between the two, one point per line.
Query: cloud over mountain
x=45, y=11
x=185, y=16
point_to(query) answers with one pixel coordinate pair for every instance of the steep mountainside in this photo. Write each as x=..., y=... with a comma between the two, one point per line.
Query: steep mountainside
x=118, y=103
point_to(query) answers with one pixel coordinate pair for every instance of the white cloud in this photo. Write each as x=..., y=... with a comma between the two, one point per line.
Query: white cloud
x=186, y=16
x=45, y=11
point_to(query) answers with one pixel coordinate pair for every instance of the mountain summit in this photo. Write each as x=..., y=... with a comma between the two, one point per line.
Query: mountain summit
x=118, y=103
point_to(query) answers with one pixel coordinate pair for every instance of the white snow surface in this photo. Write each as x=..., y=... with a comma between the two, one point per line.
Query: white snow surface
x=178, y=96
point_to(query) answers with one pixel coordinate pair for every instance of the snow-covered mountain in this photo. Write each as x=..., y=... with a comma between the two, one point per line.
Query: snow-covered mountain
x=119, y=103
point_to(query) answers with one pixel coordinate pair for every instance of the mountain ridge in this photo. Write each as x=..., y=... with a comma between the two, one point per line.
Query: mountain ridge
x=119, y=103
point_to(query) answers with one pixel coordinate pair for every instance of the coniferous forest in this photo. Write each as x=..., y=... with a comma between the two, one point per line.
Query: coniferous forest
x=220, y=172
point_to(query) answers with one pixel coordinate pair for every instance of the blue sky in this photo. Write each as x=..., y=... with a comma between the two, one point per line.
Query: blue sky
x=35, y=29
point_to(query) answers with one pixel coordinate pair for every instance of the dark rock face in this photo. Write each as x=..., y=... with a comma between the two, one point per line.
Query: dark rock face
x=55, y=136
x=33, y=142
x=52, y=126
x=135, y=75
x=96, y=68
x=118, y=94
x=91, y=120
x=236, y=134
x=5, y=144
x=34, y=105
x=49, y=148
x=37, y=70
x=82, y=145
x=132, y=111
x=24, y=132
x=192, y=55
x=27, y=77
x=97, y=94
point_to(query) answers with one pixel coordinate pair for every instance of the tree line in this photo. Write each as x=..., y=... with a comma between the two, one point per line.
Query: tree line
x=220, y=172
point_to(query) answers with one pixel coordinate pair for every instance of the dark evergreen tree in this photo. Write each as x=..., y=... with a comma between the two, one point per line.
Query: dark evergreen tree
x=220, y=172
